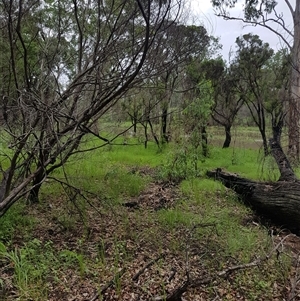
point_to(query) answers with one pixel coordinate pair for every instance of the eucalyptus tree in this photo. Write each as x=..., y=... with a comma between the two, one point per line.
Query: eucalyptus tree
x=276, y=83
x=227, y=100
x=264, y=13
x=182, y=44
x=66, y=64
x=251, y=58
x=197, y=114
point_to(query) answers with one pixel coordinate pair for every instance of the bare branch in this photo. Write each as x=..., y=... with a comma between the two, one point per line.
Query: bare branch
x=290, y=7
x=255, y=23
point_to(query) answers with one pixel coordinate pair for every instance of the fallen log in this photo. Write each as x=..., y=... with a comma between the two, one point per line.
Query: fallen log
x=278, y=201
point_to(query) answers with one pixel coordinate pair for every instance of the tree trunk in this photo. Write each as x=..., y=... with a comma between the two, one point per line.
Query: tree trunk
x=33, y=196
x=204, y=141
x=284, y=166
x=265, y=141
x=294, y=103
x=279, y=201
x=164, y=119
x=227, y=141
x=153, y=134
x=146, y=134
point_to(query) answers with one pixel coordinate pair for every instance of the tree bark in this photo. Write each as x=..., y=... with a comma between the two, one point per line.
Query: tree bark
x=164, y=120
x=294, y=103
x=33, y=197
x=204, y=141
x=227, y=141
x=279, y=201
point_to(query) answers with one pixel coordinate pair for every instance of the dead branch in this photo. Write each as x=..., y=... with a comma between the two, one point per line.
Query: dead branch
x=148, y=265
x=176, y=294
x=107, y=285
x=294, y=282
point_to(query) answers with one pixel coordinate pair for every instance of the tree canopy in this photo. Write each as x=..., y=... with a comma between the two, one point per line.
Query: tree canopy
x=264, y=13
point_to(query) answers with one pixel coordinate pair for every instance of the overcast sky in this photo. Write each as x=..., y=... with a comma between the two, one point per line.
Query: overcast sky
x=228, y=31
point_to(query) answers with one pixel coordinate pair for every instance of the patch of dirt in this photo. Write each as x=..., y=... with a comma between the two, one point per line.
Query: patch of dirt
x=158, y=195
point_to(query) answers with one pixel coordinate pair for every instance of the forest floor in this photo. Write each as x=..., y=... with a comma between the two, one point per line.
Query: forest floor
x=145, y=249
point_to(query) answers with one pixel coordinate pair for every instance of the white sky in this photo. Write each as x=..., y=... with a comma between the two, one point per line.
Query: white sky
x=228, y=31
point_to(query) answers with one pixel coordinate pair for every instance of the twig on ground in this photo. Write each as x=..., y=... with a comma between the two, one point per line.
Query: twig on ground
x=148, y=265
x=107, y=285
x=294, y=282
x=176, y=294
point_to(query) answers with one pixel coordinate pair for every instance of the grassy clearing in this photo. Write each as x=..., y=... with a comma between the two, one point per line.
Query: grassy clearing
x=75, y=242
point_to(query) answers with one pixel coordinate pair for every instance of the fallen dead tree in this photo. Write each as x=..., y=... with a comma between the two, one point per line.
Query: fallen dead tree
x=279, y=201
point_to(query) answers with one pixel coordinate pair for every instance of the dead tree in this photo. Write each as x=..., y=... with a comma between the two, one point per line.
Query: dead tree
x=279, y=201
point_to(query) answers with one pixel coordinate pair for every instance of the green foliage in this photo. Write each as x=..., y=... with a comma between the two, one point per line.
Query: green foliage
x=205, y=226
x=71, y=258
x=15, y=221
x=253, y=9
x=31, y=265
x=199, y=110
x=177, y=217
x=182, y=161
x=177, y=166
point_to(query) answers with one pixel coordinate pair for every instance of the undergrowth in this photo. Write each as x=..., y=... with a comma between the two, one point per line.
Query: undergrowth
x=96, y=222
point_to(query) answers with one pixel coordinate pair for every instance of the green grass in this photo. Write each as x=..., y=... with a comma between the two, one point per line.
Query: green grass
x=215, y=204
x=15, y=222
x=246, y=162
x=111, y=171
x=207, y=227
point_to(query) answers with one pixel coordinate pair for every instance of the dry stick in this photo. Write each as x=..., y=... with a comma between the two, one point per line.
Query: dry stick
x=294, y=283
x=176, y=294
x=107, y=285
x=148, y=265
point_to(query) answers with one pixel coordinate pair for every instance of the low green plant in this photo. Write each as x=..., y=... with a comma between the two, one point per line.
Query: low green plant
x=176, y=167
x=178, y=217
x=101, y=252
x=72, y=258
x=31, y=265
x=15, y=221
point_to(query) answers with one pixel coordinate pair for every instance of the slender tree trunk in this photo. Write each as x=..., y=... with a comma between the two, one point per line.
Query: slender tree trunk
x=146, y=134
x=284, y=166
x=294, y=103
x=227, y=141
x=153, y=134
x=204, y=141
x=265, y=142
x=164, y=119
x=33, y=196
x=135, y=121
